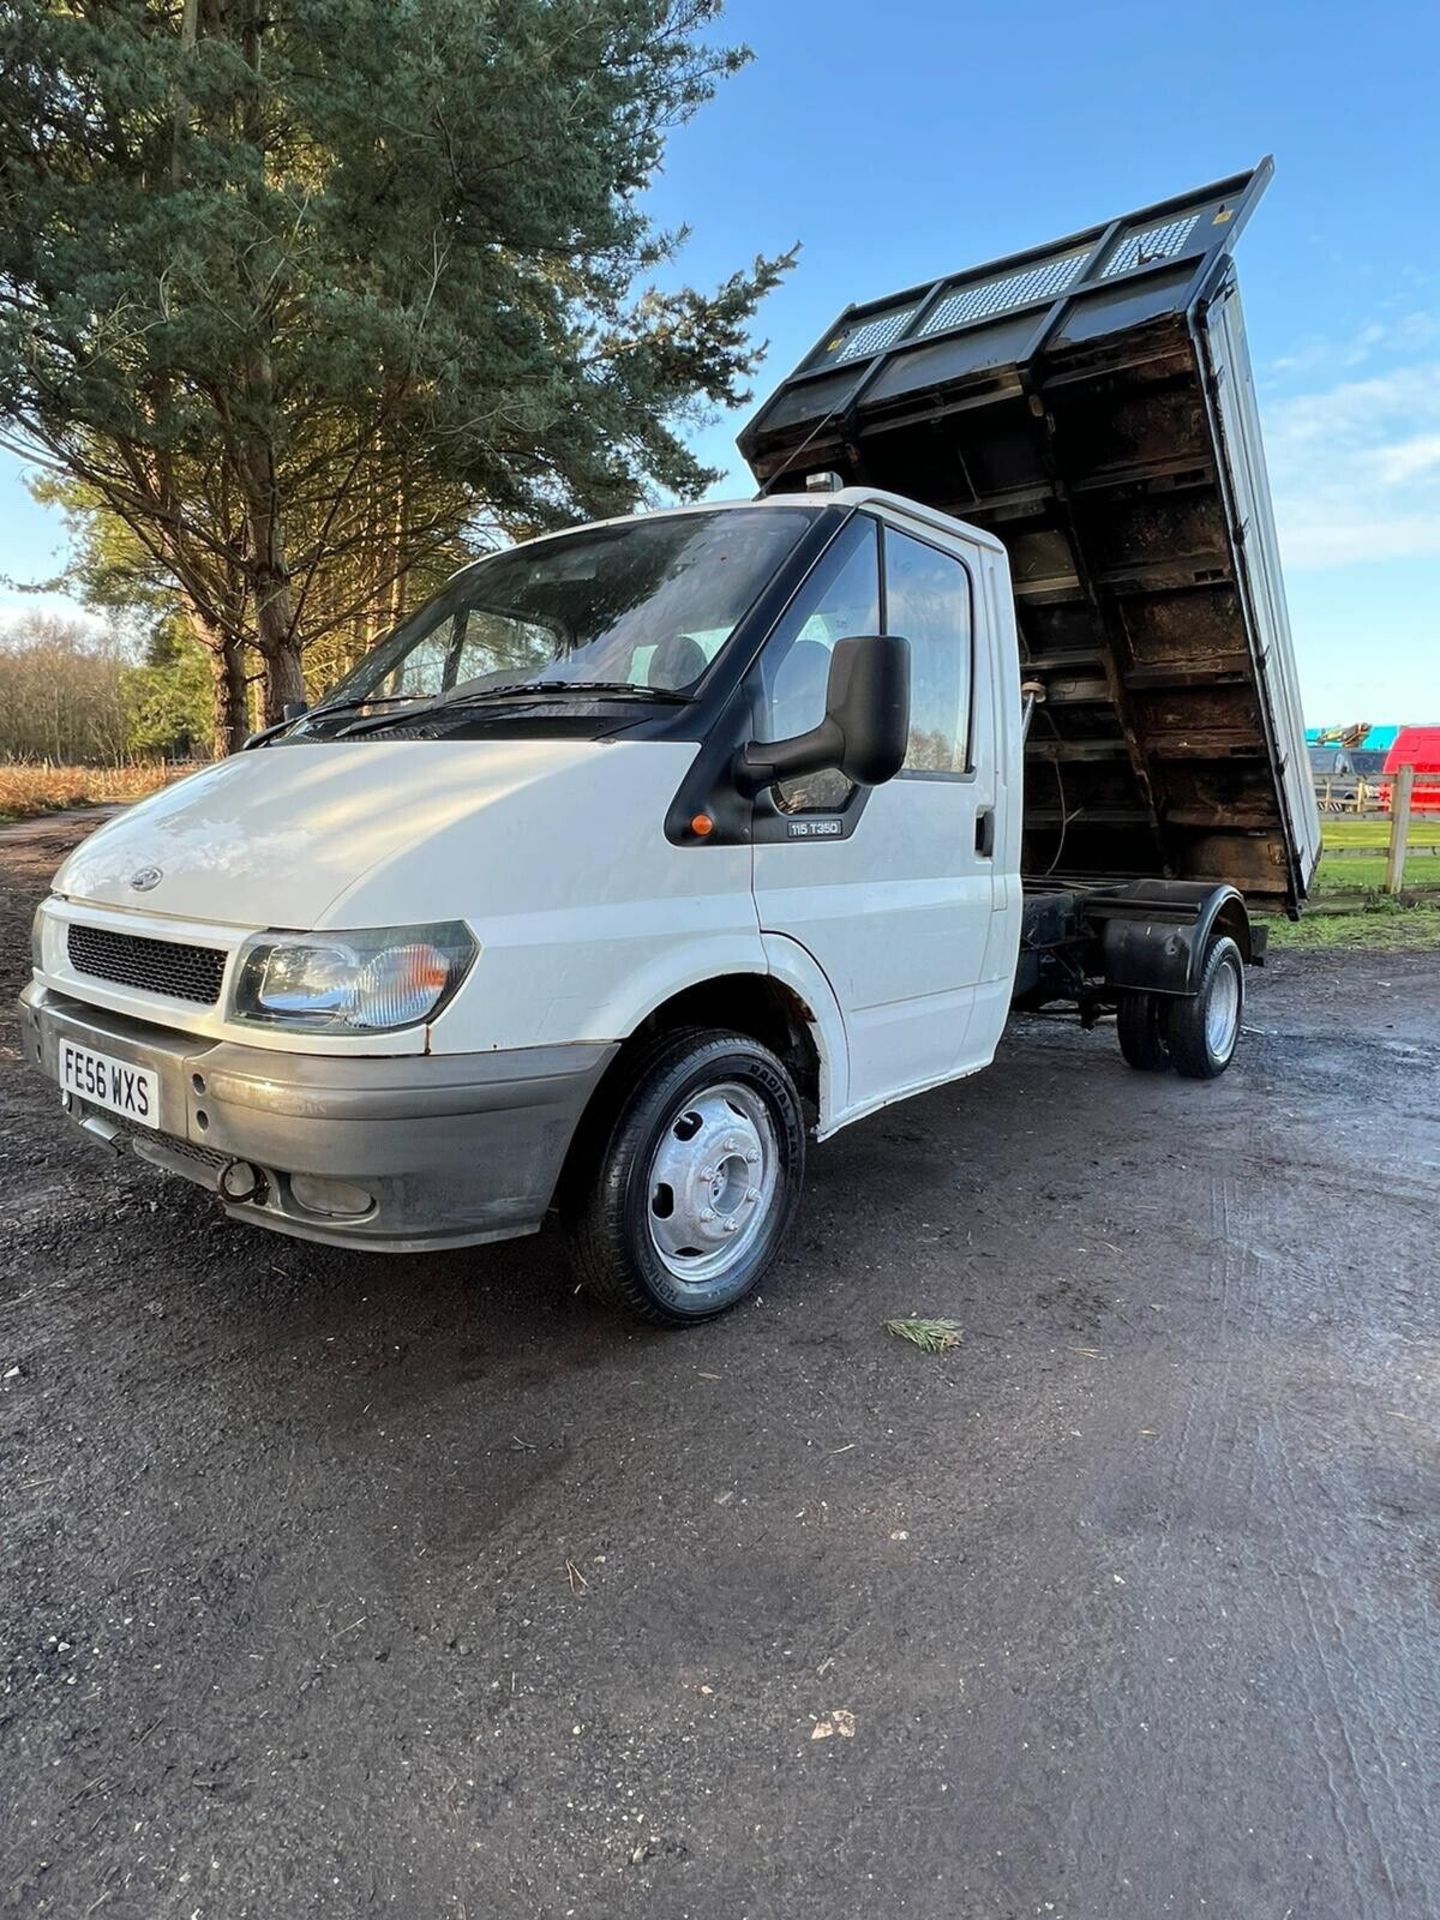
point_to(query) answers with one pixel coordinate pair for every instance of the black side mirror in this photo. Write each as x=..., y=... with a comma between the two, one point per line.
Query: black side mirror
x=866, y=729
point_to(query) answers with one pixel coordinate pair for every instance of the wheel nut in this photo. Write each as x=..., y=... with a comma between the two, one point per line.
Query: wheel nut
x=732, y=1226
x=707, y=1213
x=752, y=1159
x=752, y=1193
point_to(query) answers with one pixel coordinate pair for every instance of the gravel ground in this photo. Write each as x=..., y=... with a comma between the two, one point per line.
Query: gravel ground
x=337, y=1585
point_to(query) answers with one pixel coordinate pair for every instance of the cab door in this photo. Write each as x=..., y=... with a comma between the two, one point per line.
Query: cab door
x=891, y=889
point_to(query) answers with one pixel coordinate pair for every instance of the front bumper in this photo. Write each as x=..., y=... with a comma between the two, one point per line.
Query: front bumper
x=451, y=1150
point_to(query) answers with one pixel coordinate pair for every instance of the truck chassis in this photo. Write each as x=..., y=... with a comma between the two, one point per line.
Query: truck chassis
x=1165, y=956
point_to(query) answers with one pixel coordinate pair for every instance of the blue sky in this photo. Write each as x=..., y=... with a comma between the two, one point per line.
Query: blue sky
x=900, y=141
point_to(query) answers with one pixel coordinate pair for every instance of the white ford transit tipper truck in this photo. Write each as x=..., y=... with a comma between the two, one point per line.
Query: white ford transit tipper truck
x=648, y=850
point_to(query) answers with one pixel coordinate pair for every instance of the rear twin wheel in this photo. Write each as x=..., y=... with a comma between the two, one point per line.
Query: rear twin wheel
x=1198, y=1034
x=1140, y=1021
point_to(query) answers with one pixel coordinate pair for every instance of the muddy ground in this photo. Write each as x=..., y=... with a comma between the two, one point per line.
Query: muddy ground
x=340, y=1585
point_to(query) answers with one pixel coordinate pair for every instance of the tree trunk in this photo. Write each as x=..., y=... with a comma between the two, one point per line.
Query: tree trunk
x=397, y=560
x=275, y=634
x=268, y=569
x=232, y=690
x=233, y=697
x=284, y=678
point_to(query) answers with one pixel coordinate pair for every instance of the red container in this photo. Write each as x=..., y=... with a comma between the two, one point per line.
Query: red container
x=1417, y=747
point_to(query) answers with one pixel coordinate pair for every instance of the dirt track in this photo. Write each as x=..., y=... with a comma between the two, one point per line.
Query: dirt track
x=337, y=1585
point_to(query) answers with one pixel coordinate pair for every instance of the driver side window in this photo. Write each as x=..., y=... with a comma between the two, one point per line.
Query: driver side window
x=840, y=599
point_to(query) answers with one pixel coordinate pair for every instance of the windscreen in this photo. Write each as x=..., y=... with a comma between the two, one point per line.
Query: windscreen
x=644, y=604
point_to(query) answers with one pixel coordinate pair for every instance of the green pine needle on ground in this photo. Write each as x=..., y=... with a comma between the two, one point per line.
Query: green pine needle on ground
x=931, y=1336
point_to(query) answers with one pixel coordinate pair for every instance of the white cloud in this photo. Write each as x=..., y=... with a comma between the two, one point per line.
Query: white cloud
x=1407, y=460
x=1396, y=334
x=1355, y=469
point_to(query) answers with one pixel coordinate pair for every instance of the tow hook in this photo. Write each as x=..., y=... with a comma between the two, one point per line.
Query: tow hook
x=239, y=1182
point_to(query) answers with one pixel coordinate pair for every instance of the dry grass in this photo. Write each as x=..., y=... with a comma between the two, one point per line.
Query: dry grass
x=28, y=790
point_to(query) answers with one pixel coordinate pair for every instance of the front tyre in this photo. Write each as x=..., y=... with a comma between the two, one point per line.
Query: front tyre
x=693, y=1179
x=1204, y=1028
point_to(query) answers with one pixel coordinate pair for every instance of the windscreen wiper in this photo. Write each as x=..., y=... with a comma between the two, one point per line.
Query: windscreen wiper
x=325, y=709
x=624, y=687
x=525, y=692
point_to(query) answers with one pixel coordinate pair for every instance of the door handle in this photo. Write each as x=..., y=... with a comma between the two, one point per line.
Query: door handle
x=985, y=833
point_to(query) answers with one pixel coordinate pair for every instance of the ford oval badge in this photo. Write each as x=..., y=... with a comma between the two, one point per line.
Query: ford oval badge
x=146, y=878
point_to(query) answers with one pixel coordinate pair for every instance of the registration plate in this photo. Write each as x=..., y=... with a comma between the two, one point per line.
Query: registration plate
x=133, y=1092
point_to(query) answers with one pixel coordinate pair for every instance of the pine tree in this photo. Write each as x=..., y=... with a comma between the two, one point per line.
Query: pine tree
x=313, y=285
x=117, y=573
x=167, y=699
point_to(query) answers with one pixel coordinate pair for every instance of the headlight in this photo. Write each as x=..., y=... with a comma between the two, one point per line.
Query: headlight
x=37, y=938
x=373, y=981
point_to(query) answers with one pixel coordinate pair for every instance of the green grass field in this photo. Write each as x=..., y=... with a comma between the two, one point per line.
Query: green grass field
x=1342, y=871
x=1348, y=907
x=1353, y=836
x=1385, y=926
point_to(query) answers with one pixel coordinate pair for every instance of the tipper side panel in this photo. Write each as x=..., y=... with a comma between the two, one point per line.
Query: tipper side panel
x=1069, y=400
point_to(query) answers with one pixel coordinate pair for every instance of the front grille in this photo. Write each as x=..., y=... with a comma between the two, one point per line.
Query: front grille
x=140, y=1137
x=154, y=966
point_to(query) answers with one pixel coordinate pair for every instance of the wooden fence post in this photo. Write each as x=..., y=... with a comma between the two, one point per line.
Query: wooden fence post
x=1399, y=828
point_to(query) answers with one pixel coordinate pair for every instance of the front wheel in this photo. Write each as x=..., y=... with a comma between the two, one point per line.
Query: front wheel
x=693, y=1180
x=1204, y=1028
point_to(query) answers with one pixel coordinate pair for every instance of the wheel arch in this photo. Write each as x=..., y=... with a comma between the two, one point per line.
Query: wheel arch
x=1155, y=933
x=758, y=1004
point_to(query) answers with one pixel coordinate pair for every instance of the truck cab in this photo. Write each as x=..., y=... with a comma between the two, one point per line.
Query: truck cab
x=736, y=783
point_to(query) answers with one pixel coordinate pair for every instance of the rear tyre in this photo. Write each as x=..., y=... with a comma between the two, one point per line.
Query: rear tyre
x=1140, y=1022
x=1204, y=1028
x=692, y=1178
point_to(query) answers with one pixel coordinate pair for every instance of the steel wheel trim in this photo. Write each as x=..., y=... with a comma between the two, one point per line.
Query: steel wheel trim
x=1222, y=1014
x=713, y=1182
